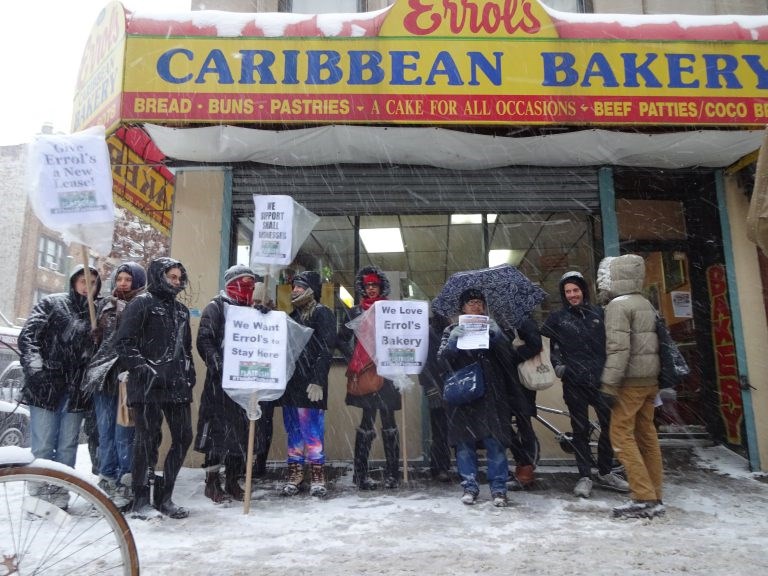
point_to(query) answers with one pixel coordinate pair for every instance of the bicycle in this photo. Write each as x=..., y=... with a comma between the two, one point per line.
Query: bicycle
x=87, y=534
x=565, y=439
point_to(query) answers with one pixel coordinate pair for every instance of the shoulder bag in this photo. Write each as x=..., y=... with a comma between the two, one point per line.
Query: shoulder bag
x=537, y=373
x=465, y=385
x=367, y=381
x=673, y=365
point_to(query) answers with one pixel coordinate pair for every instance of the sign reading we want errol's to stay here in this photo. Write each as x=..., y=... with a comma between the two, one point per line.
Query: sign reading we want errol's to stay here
x=445, y=62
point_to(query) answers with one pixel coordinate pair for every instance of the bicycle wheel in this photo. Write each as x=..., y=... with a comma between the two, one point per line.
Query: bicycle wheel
x=39, y=537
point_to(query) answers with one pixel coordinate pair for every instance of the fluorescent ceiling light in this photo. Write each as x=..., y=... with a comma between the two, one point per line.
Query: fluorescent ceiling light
x=346, y=297
x=380, y=240
x=471, y=218
x=513, y=257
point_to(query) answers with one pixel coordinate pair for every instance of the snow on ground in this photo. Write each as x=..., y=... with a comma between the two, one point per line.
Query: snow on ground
x=716, y=524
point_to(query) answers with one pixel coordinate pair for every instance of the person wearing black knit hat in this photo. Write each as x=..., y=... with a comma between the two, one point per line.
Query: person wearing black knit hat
x=487, y=419
x=306, y=395
x=577, y=334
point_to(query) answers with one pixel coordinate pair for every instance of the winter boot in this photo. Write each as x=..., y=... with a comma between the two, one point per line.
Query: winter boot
x=232, y=483
x=213, y=489
x=524, y=475
x=318, y=488
x=363, y=440
x=391, y=439
x=140, y=508
x=295, y=478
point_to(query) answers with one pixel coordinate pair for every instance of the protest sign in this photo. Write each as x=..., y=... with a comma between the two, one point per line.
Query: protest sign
x=401, y=336
x=70, y=187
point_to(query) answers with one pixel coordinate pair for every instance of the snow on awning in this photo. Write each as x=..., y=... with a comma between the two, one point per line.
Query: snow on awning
x=444, y=148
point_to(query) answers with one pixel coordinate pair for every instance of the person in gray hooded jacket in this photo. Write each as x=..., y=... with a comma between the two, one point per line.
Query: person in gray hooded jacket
x=631, y=376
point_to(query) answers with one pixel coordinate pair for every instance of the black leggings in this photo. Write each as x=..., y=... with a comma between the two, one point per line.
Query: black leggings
x=388, y=421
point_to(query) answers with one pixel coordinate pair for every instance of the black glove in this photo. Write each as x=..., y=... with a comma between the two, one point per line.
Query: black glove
x=434, y=399
x=262, y=308
x=560, y=370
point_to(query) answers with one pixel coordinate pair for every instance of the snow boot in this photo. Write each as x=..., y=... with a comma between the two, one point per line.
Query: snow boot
x=213, y=488
x=295, y=478
x=391, y=439
x=317, y=488
x=363, y=440
x=141, y=508
x=232, y=483
x=524, y=475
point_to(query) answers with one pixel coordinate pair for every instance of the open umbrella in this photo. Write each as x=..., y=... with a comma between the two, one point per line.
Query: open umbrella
x=509, y=294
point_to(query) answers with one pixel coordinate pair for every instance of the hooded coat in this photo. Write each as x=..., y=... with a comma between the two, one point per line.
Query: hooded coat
x=577, y=335
x=632, y=347
x=154, y=340
x=388, y=397
x=104, y=367
x=56, y=346
x=314, y=362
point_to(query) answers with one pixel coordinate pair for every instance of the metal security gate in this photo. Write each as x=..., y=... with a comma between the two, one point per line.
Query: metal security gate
x=405, y=189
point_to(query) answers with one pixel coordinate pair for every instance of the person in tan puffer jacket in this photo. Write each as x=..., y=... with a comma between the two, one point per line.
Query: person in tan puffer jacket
x=630, y=376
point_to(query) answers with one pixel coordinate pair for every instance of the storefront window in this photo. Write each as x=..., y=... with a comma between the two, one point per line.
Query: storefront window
x=325, y=7
x=566, y=5
x=421, y=251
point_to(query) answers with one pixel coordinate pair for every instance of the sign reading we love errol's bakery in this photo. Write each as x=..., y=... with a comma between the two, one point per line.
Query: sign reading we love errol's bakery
x=446, y=62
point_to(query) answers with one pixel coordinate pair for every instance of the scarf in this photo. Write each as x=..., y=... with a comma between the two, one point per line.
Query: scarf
x=305, y=303
x=241, y=292
x=360, y=357
x=366, y=303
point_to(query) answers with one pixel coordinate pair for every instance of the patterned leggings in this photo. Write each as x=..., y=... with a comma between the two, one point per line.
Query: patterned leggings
x=305, y=428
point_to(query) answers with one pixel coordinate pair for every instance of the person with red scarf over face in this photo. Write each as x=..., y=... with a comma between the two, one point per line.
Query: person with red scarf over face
x=372, y=285
x=222, y=425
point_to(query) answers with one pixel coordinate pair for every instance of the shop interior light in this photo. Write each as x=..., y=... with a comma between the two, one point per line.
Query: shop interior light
x=471, y=218
x=513, y=257
x=346, y=297
x=381, y=240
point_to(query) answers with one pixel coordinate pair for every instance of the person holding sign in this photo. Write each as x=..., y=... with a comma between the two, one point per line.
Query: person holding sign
x=56, y=346
x=487, y=418
x=371, y=285
x=306, y=394
x=222, y=424
x=154, y=342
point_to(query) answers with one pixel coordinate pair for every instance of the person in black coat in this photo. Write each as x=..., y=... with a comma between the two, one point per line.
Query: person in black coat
x=222, y=424
x=154, y=342
x=577, y=334
x=526, y=343
x=486, y=419
x=102, y=381
x=306, y=395
x=371, y=285
x=56, y=346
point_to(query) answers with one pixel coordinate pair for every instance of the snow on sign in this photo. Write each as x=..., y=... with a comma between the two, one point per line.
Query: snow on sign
x=70, y=182
x=402, y=336
x=255, y=349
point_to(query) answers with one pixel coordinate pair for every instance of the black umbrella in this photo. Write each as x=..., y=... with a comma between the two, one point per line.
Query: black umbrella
x=509, y=294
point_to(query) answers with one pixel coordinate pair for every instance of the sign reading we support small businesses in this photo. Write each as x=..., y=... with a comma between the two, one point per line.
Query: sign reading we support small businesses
x=402, y=336
x=255, y=349
x=272, y=230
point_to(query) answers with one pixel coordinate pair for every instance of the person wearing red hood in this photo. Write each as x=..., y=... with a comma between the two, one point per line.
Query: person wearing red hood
x=372, y=285
x=56, y=346
x=222, y=424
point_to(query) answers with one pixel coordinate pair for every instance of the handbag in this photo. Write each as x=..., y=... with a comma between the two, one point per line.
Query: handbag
x=124, y=413
x=673, y=365
x=537, y=373
x=367, y=381
x=465, y=385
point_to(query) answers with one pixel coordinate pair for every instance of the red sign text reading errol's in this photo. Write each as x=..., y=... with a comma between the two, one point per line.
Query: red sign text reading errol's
x=509, y=16
x=726, y=369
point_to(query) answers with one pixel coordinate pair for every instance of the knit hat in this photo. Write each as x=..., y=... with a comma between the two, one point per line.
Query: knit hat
x=309, y=279
x=136, y=271
x=470, y=294
x=238, y=271
x=574, y=277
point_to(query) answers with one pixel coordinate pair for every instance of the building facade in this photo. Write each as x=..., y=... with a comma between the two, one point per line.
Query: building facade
x=464, y=160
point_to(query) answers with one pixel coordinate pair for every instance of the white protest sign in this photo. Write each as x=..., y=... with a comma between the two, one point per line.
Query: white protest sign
x=402, y=336
x=272, y=230
x=255, y=350
x=70, y=180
